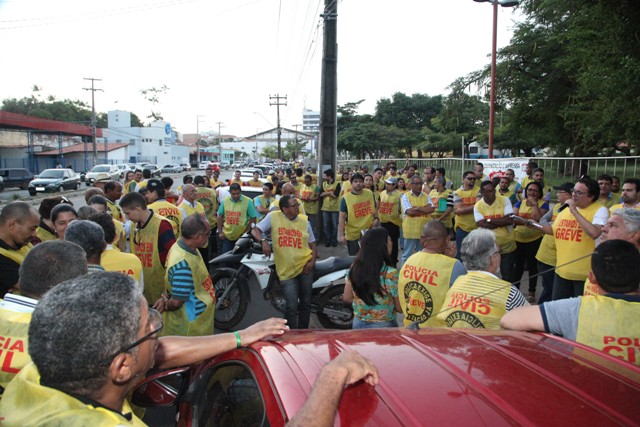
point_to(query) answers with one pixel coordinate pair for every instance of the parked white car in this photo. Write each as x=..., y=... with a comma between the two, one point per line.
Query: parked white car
x=112, y=170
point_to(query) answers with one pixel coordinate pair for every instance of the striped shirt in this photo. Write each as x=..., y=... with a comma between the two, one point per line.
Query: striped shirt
x=183, y=289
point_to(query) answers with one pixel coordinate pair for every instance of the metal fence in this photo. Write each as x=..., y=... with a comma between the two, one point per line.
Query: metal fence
x=557, y=169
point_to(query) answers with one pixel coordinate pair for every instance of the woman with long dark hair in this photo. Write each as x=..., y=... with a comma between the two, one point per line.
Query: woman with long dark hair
x=527, y=237
x=371, y=284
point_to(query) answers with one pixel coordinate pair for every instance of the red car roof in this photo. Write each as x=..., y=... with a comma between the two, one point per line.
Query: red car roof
x=461, y=377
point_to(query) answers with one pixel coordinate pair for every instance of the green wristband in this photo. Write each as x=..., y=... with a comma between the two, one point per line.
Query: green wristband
x=238, y=341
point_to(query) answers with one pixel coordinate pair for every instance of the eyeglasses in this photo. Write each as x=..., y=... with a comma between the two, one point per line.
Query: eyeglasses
x=297, y=205
x=155, y=320
x=580, y=193
x=471, y=179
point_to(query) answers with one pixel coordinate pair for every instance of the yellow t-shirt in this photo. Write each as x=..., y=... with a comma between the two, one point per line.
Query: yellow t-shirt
x=504, y=235
x=412, y=225
x=422, y=286
x=466, y=198
x=573, y=242
x=360, y=209
x=389, y=209
x=290, y=244
x=330, y=204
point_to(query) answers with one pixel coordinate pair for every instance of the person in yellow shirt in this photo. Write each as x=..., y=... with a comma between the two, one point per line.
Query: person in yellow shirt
x=188, y=304
x=255, y=181
x=215, y=180
x=113, y=193
x=528, y=238
x=18, y=226
x=546, y=255
x=190, y=205
x=47, y=264
x=120, y=343
x=358, y=212
x=495, y=213
x=294, y=249
x=576, y=229
x=427, y=275
x=389, y=211
x=154, y=194
x=609, y=322
x=236, y=178
x=310, y=196
x=235, y=216
x=208, y=198
x=464, y=200
x=330, y=205
x=99, y=204
x=479, y=299
x=442, y=199
x=630, y=195
x=417, y=208
x=606, y=196
x=615, y=187
x=623, y=224
x=112, y=259
x=150, y=239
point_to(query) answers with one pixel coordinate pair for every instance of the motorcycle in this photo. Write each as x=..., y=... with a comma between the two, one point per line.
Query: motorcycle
x=231, y=271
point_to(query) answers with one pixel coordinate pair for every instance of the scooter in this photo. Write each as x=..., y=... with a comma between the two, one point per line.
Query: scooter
x=231, y=271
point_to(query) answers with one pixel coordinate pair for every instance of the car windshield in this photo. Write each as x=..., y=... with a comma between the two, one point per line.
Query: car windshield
x=167, y=166
x=100, y=169
x=52, y=173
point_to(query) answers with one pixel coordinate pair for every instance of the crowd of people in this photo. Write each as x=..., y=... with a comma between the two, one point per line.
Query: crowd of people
x=440, y=256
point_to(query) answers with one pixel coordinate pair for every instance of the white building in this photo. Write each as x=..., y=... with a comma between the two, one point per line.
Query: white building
x=154, y=144
x=310, y=121
x=254, y=144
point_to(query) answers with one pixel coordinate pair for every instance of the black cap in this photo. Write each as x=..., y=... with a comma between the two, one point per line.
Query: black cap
x=154, y=184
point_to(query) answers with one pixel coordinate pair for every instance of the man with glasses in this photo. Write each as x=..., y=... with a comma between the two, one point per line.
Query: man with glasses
x=151, y=238
x=83, y=370
x=576, y=229
x=189, y=301
x=416, y=212
x=464, y=199
x=294, y=249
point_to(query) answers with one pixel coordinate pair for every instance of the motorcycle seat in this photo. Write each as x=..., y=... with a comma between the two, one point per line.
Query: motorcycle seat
x=331, y=264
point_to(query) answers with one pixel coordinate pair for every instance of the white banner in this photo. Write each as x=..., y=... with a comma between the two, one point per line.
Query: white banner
x=498, y=167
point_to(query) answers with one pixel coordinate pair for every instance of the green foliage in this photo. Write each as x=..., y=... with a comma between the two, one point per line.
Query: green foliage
x=292, y=149
x=71, y=111
x=270, y=152
x=570, y=78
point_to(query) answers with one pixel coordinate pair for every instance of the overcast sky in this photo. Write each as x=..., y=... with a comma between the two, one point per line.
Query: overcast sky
x=221, y=59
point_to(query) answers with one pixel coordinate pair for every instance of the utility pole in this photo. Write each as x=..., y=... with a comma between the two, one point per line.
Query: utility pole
x=93, y=120
x=219, y=142
x=277, y=103
x=328, y=149
x=198, y=137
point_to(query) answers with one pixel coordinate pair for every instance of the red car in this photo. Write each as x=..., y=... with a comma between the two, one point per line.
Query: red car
x=439, y=377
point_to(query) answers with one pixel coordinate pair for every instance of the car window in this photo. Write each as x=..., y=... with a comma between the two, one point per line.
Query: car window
x=232, y=398
x=52, y=173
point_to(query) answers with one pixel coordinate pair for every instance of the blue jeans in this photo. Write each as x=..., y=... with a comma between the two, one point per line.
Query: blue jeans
x=360, y=324
x=547, y=281
x=330, y=225
x=313, y=220
x=460, y=236
x=410, y=247
x=228, y=245
x=294, y=289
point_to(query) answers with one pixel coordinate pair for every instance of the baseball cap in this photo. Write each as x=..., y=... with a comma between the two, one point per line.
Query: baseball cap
x=391, y=180
x=567, y=186
x=155, y=184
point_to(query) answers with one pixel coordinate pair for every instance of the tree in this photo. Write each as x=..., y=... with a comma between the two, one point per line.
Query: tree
x=570, y=77
x=293, y=149
x=270, y=152
x=153, y=96
x=410, y=113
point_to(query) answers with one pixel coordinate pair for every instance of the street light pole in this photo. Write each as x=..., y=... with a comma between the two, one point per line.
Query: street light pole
x=494, y=42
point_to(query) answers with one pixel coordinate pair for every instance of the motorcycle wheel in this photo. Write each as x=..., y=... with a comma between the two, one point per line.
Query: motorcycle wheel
x=333, y=299
x=234, y=306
